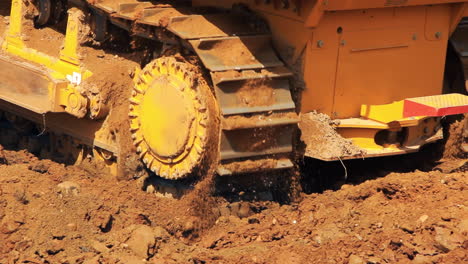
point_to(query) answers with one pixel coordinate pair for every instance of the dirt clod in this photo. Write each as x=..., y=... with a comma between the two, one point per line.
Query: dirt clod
x=322, y=140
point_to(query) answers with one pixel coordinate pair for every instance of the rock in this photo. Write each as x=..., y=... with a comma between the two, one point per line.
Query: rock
x=94, y=260
x=40, y=167
x=244, y=210
x=407, y=228
x=9, y=226
x=235, y=208
x=446, y=217
x=99, y=247
x=142, y=242
x=54, y=247
x=353, y=259
x=131, y=260
x=423, y=218
x=420, y=259
x=160, y=234
x=20, y=196
x=67, y=188
x=224, y=211
x=3, y=159
x=447, y=241
x=72, y=226
x=317, y=239
x=150, y=189
x=463, y=226
x=215, y=211
x=374, y=260
x=253, y=221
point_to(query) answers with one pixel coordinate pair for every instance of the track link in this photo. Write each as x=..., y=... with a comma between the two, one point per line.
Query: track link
x=251, y=84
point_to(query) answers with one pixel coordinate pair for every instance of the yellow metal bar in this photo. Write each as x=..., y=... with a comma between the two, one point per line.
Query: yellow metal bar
x=16, y=25
x=69, y=52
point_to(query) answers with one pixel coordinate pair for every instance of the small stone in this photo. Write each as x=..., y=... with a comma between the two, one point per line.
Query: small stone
x=215, y=211
x=353, y=259
x=71, y=226
x=142, y=241
x=423, y=218
x=40, y=167
x=9, y=226
x=463, y=226
x=274, y=221
x=224, y=211
x=446, y=240
x=94, y=260
x=253, y=221
x=345, y=186
x=235, y=208
x=67, y=188
x=55, y=246
x=244, y=210
x=446, y=217
x=420, y=259
x=131, y=260
x=374, y=260
x=190, y=224
x=407, y=228
x=150, y=189
x=317, y=239
x=99, y=247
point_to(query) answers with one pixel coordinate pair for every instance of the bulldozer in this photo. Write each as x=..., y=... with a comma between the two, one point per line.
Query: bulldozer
x=186, y=87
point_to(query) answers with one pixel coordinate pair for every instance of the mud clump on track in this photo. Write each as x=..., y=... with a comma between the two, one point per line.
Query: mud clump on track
x=322, y=139
x=51, y=213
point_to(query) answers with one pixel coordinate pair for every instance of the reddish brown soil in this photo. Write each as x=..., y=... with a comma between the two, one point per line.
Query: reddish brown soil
x=322, y=139
x=402, y=218
x=256, y=93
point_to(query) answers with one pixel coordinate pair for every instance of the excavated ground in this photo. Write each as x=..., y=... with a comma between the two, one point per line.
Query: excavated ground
x=51, y=213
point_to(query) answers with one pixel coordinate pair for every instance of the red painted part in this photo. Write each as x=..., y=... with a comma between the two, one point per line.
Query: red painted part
x=411, y=108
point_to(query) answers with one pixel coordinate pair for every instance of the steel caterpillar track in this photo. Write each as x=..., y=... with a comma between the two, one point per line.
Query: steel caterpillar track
x=251, y=84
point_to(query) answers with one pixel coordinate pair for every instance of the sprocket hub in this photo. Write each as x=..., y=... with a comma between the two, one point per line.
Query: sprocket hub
x=169, y=118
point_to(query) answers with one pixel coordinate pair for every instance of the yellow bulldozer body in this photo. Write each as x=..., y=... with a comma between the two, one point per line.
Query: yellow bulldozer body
x=355, y=54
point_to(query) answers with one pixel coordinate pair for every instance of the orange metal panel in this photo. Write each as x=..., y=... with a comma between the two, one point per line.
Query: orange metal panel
x=336, y=5
x=381, y=56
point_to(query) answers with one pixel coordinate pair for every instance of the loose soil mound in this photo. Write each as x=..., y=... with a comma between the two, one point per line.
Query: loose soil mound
x=50, y=213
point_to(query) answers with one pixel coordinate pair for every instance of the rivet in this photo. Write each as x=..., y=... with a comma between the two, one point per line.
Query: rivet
x=320, y=43
x=438, y=34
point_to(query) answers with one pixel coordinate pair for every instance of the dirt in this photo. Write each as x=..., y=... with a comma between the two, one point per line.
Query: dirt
x=218, y=49
x=256, y=92
x=51, y=213
x=457, y=137
x=322, y=140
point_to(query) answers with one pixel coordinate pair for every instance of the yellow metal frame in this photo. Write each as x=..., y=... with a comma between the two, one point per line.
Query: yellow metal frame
x=67, y=98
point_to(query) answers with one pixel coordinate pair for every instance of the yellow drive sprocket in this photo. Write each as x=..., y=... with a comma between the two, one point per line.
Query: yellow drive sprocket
x=170, y=118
